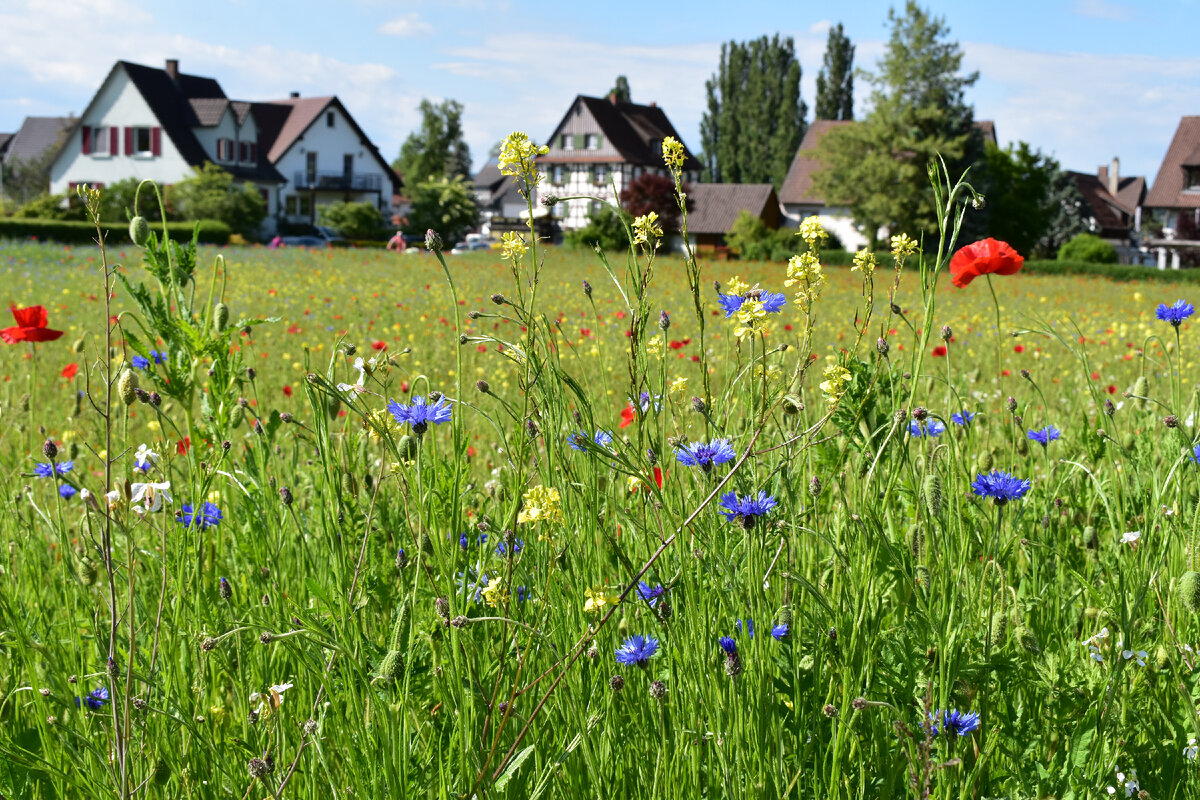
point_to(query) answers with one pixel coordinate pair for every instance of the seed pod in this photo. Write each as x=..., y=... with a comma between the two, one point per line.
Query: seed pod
x=916, y=540
x=139, y=231
x=1023, y=446
x=221, y=317
x=1188, y=591
x=408, y=447
x=1141, y=388
x=78, y=345
x=127, y=386
x=984, y=463
x=392, y=665
x=1027, y=639
x=933, y=494
x=998, y=631
x=87, y=571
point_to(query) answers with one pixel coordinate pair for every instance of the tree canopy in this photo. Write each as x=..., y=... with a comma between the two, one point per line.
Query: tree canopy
x=755, y=117
x=621, y=90
x=835, y=81
x=437, y=149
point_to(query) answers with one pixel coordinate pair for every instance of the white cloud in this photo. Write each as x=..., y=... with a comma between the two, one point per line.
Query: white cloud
x=1102, y=9
x=407, y=25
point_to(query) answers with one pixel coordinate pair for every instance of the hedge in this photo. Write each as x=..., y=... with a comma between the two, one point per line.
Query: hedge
x=116, y=233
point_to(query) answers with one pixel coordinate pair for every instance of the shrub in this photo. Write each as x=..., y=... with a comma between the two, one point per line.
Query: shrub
x=605, y=228
x=352, y=220
x=1089, y=248
x=212, y=194
x=116, y=233
x=446, y=205
x=50, y=206
x=650, y=192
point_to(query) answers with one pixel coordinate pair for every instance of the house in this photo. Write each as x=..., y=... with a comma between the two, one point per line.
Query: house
x=1113, y=207
x=601, y=142
x=32, y=143
x=716, y=206
x=500, y=203
x=801, y=201
x=1172, y=206
x=159, y=124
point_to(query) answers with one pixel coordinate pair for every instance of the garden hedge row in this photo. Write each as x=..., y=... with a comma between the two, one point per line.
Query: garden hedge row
x=116, y=233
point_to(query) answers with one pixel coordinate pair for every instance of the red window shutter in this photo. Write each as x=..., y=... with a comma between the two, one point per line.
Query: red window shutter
x=113, y=144
x=128, y=141
x=156, y=141
x=87, y=140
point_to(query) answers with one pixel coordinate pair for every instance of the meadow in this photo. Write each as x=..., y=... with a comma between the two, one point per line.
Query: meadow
x=345, y=523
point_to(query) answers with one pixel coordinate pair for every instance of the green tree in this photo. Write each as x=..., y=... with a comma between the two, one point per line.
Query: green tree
x=1066, y=216
x=605, y=229
x=755, y=117
x=25, y=178
x=438, y=149
x=1018, y=195
x=50, y=206
x=621, y=90
x=212, y=193
x=649, y=192
x=835, y=81
x=352, y=220
x=879, y=168
x=446, y=205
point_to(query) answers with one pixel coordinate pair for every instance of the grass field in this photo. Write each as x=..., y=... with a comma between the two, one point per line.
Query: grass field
x=369, y=611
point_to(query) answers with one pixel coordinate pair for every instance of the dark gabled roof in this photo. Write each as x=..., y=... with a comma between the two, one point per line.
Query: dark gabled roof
x=635, y=131
x=5, y=138
x=1184, y=151
x=211, y=110
x=715, y=206
x=488, y=178
x=1110, y=213
x=171, y=101
x=36, y=137
x=797, y=186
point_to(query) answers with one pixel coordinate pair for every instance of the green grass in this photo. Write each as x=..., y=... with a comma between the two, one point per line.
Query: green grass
x=903, y=591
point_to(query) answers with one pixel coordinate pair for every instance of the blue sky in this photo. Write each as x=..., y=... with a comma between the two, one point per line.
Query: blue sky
x=1084, y=80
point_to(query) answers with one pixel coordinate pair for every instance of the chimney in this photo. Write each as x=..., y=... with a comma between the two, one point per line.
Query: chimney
x=1114, y=176
x=612, y=98
x=173, y=68
x=294, y=95
x=653, y=104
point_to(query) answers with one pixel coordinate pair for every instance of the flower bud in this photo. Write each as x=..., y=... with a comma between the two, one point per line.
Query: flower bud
x=882, y=347
x=947, y=334
x=1011, y=403
x=483, y=386
x=698, y=405
x=225, y=590
x=658, y=690
x=139, y=231
x=499, y=299
x=49, y=449
x=587, y=288
x=221, y=317
x=285, y=494
x=664, y=321
x=127, y=386
x=433, y=241
x=550, y=200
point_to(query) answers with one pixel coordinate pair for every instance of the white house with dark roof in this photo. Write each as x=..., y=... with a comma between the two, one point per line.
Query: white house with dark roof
x=599, y=142
x=159, y=124
x=1173, y=202
x=32, y=142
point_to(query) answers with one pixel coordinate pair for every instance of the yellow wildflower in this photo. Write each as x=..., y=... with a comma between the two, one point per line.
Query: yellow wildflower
x=654, y=347
x=677, y=386
x=541, y=504
x=598, y=599
x=494, y=593
x=672, y=150
x=864, y=260
x=772, y=372
x=381, y=420
x=512, y=246
x=736, y=286
x=834, y=385
x=518, y=157
x=750, y=317
x=804, y=272
x=646, y=231
x=903, y=245
x=813, y=233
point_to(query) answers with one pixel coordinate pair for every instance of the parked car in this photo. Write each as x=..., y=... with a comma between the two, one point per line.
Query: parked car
x=473, y=241
x=317, y=236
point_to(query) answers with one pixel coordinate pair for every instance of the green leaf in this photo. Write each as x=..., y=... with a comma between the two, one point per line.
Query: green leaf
x=505, y=776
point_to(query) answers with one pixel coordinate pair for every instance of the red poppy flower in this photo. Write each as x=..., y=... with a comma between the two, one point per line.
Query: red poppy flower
x=379, y=345
x=70, y=370
x=287, y=391
x=183, y=445
x=627, y=415
x=30, y=327
x=984, y=258
x=939, y=351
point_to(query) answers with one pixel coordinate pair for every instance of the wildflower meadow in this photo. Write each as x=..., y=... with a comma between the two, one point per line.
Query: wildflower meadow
x=541, y=523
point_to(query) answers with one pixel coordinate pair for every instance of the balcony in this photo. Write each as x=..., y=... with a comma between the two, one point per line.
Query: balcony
x=338, y=182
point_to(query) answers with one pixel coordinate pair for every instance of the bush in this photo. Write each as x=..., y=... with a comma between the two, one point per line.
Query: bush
x=116, y=233
x=50, y=206
x=446, y=205
x=212, y=194
x=605, y=229
x=1088, y=248
x=352, y=220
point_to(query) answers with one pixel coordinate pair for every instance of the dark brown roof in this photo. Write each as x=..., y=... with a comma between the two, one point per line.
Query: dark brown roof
x=5, y=138
x=170, y=100
x=988, y=128
x=208, y=110
x=36, y=137
x=1111, y=214
x=635, y=131
x=797, y=186
x=1167, y=191
x=716, y=205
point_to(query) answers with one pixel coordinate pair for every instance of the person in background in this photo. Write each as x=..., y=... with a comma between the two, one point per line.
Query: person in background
x=397, y=243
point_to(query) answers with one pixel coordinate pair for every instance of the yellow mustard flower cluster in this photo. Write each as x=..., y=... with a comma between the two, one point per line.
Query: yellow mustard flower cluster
x=654, y=347
x=771, y=372
x=541, y=504
x=382, y=420
x=518, y=157
x=837, y=378
x=813, y=233
x=512, y=247
x=672, y=150
x=647, y=233
x=598, y=600
x=804, y=272
x=750, y=318
x=677, y=386
x=864, y=260
x=494, y=594
x=903, y=245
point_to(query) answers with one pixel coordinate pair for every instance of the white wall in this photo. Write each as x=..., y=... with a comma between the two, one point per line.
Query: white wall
x=118, y=103
x=835, y=220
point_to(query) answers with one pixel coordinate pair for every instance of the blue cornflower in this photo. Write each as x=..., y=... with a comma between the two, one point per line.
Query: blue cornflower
x=463, y=541
x=522, y=594
x=746, y=509
x=140, y=362
x=1000, y=486
x=728, y=645
x=419, y=414
x=159, y=358
x=207, y=516
x=644, y=402
x=705, y=454
x=67, y=491
x=602, y=438
x=749, y=627
x=964, y=418
x=95, y=699
x=780, y=631
x=1196, y=454
x=772, y=302
x=930, y=428
x=1175, y=313
x=502, y=549
x=730, y=303
x=954, y=722
x=50, y=470
x=1044, y=436
x=637, y=650
x=650, y=593
x=474, y=588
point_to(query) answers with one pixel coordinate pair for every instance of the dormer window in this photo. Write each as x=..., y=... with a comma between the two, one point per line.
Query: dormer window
x=247, y=152
x=591, y=141
x=1191, y=178
x=225, y=150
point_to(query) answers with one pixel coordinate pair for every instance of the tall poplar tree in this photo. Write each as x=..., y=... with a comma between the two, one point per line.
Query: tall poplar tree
x=621, y=90
x=878, y=168
x=835, y=81
x=755, y=117
x=438, y=149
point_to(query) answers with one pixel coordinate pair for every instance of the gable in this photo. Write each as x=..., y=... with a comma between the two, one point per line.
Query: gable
x=629, y=133
x=1169, y=189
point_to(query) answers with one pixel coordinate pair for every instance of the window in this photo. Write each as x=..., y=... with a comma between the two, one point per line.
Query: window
x=328, y=119
x=556, y=175
x=566, y=141
x=600, y=174
x=348, y=166
x=101, y=141
x=596, y=206
x=141, y=142
x=591, y=141
x=225, y=150
x=310, y=167
x=559, y=210
x=248, y=152
x=298, y=205
x=1191, y=178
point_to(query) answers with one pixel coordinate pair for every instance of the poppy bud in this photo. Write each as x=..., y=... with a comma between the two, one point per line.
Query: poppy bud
x=127, y=387
x=407, y=447
x=139, y=231
x=1027, y=639
x=78, y=345
x=1188, y=591
x=221, y=317
x=932, y=491
x=998, y=630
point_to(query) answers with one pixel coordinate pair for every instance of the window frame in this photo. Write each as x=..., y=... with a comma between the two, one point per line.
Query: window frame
x=138, y=132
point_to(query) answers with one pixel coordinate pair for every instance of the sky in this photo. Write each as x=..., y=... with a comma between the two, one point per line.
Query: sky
x=1081, y=80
